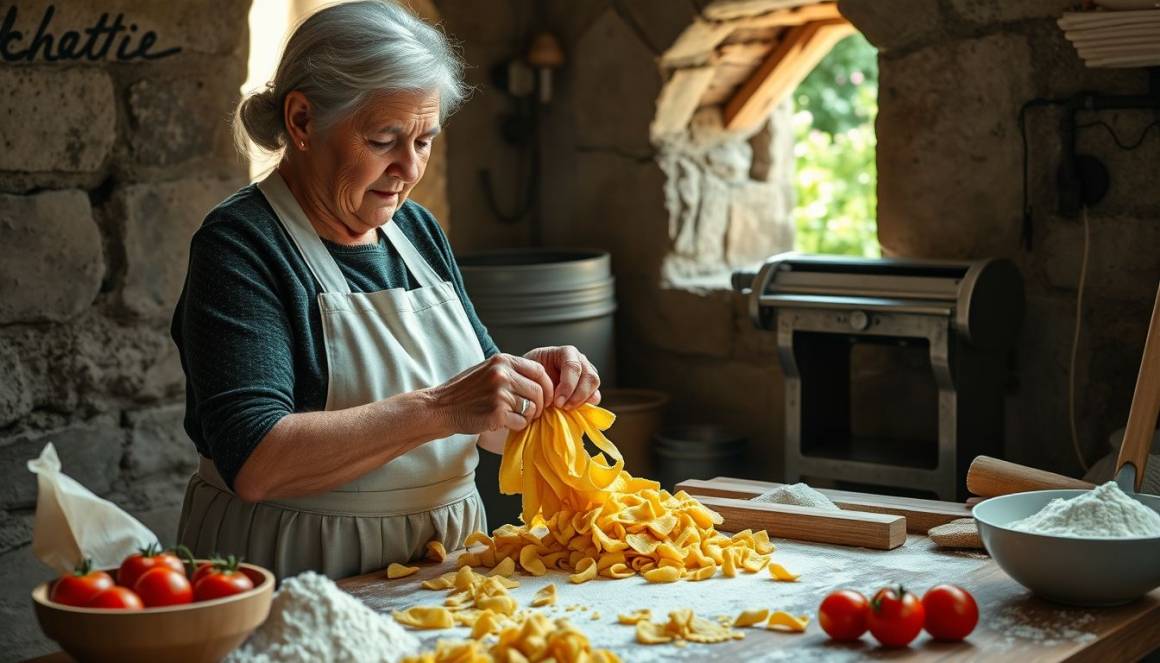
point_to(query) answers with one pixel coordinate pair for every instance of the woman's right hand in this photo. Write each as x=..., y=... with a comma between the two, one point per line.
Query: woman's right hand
x=489, y=395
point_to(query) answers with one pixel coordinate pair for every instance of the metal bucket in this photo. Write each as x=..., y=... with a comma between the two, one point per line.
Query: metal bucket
x=697, y=452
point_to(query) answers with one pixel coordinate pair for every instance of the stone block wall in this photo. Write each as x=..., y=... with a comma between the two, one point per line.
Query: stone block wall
x=107, y=166
x=953, y=76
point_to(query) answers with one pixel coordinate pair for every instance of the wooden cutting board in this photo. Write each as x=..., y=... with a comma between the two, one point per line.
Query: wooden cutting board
x=803, y=523
x=920, y=514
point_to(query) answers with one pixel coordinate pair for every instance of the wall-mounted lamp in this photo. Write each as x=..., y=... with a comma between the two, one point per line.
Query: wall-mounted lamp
x=545, y=55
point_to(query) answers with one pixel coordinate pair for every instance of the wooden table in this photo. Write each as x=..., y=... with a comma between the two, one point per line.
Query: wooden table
x=1013, y=624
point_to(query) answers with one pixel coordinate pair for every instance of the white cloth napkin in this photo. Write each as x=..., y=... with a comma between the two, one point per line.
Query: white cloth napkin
x=73, y=524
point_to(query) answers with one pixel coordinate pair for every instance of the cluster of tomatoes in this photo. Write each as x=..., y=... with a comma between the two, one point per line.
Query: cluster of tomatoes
x=895, y=616
x=150, y=578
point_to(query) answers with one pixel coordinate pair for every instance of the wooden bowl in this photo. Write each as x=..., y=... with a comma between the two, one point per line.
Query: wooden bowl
x=190, y=633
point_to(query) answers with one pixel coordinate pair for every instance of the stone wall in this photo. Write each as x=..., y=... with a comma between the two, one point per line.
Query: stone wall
x=953, y=76
x=107, y=168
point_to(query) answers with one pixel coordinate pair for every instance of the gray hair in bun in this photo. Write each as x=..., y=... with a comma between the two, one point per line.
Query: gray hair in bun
x=344, y=53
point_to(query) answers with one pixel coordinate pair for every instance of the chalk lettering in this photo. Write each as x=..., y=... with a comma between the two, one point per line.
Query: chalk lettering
x=50, y=44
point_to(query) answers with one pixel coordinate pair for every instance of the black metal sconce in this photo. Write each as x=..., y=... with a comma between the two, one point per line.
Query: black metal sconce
x=527, y=81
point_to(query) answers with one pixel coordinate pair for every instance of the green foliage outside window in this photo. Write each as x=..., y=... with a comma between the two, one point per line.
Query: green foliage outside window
x=836, y=178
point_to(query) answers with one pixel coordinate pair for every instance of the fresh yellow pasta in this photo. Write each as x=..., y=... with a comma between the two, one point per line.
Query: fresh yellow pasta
x=633, y=617
x=425, y=617
x=399, y=571
x=663, y=574
x=585, y=571
x=779, y=572
x=532, y=637
x=435, y=551
x=783, y=621
x=506, y=567
x=546, y=596
x=577, y=507
x=751, y=617
x=684, y=625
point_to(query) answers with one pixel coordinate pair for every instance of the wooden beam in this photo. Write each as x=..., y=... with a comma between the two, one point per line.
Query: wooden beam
x=695, y=45
x=826, y=11
x=786, y=66
x=679, y=98
x=726, y=10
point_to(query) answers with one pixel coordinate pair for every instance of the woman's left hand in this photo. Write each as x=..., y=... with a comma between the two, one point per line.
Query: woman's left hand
x=574, y=378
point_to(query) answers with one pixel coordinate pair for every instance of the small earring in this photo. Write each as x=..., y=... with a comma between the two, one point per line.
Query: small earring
x=302, y=145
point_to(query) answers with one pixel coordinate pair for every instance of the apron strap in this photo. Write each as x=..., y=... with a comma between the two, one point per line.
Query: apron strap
x=304, y=236
x=420, y=268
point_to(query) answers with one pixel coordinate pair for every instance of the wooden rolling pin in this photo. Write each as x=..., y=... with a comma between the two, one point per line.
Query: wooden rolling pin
x=988, y=477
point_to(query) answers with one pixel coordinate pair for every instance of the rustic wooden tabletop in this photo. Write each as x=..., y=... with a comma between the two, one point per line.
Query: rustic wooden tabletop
x=1013, y=624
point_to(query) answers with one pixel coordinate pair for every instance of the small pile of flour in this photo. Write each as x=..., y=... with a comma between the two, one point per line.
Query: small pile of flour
x=1104, y=511
x=797, y=494
x=313, y=621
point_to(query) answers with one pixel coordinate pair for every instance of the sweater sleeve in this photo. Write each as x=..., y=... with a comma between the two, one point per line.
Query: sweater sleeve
x=237, y=345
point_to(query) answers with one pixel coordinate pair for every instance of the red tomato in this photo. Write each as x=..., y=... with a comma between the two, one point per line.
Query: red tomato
x=80, y=586
x=951, y=612
x=217, y=584
x=117, y=597
x=895, y=616
x=843, y=614
x=202, y=569
x=163, y=586
x=147, y=558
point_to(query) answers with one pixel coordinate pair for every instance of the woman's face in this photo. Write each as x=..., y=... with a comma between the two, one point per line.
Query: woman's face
x=369, y=162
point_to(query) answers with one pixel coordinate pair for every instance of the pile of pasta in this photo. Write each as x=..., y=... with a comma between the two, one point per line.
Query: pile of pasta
x=534, y=638
x=483, y=604
x=588, y=516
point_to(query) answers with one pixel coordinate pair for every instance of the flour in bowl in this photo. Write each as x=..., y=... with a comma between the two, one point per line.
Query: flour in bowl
x=798, y=494
x=1103, y=511
x=313, y=621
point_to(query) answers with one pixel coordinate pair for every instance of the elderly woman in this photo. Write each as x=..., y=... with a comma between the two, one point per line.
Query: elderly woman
x=338, y=379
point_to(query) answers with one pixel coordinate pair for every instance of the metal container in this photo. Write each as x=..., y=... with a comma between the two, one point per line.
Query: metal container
x=697, y=452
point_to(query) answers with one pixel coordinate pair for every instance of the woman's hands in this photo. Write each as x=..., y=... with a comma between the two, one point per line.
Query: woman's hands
x=575, y=378
x=490, y=395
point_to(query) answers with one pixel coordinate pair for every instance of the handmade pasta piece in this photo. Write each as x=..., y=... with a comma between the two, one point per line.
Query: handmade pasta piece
x=663, y=574
x=425, y=617
x=634, y=617
x=783, y=621
x=506, y=567
x=585, y=571
x=779, y=572
x=395, y=571
x=751, y=617
x=546, y=596
x=435, y=551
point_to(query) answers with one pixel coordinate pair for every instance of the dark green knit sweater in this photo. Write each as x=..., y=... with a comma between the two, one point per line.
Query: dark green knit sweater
x=248, y=326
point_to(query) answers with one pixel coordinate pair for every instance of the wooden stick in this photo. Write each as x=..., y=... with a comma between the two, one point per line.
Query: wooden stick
x=920, y=514
x=988, y=477
x=1145, y=403
x=803, y=523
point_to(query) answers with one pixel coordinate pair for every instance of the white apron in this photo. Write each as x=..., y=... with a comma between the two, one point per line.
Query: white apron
x=377, y=345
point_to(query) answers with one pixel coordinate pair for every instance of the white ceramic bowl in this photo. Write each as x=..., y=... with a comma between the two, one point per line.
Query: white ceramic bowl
x=1091, y=571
